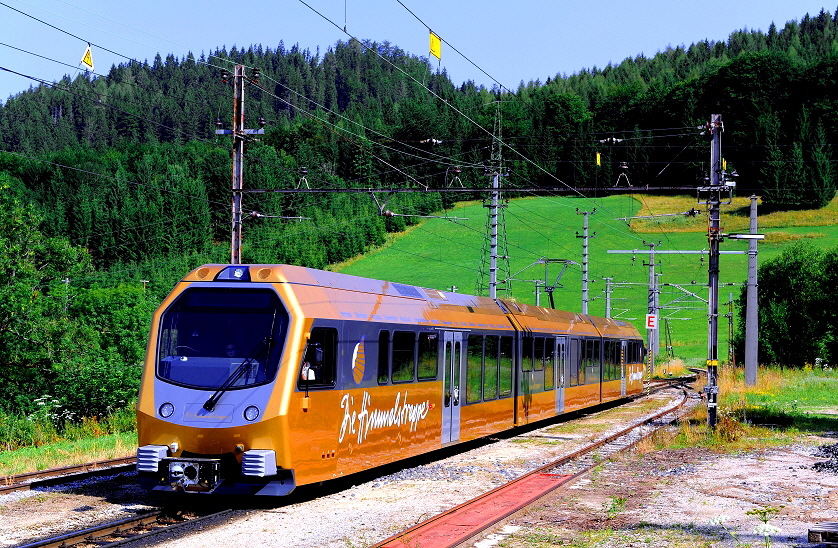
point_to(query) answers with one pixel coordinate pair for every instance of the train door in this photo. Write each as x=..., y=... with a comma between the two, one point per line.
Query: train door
x=452, y=358
x=560, y=367
x=623, y=353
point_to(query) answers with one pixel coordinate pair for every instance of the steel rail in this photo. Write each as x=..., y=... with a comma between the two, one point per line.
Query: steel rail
x=408, y=533
x=97, y=534
x=120, y=528
x=64, y=474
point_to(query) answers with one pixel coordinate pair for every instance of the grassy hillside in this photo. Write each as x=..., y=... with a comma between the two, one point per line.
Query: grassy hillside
x=444, y=253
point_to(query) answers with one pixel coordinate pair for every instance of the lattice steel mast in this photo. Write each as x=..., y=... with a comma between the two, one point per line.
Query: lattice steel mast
x=495, y=245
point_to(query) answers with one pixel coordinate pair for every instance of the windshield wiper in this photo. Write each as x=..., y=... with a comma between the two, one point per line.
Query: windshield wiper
x=263, y=351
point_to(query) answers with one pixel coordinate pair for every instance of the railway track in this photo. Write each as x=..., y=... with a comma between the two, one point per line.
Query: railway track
x=125, y=530
x=54, y=476
x=455, y=526
x=533, y=486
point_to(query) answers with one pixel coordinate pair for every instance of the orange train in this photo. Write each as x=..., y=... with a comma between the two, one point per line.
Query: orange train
x=260, y=378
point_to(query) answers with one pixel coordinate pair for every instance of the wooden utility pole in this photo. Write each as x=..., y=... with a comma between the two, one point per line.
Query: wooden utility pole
x=238, y=134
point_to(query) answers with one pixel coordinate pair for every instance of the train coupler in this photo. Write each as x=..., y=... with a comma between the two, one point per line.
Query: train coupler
x=192, y=475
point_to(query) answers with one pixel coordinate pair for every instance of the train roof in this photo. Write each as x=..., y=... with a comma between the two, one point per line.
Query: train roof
x=282, y=273
x=445, y=303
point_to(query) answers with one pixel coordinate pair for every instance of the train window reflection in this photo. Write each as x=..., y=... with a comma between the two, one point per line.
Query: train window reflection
x=428, y=343
x=383, y=357
x=505, y=367
x=526, y=354
x=549, y=362
x=474, y=367
x=538, y=354
x=208, y=333
x=404, y=361
x=490, y=372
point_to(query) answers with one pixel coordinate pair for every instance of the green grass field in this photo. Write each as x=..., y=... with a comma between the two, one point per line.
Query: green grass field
x=443, y=253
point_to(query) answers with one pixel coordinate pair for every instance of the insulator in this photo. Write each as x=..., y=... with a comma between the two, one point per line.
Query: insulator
x=218, y=123
x=256, y=74
x=262, y=122
x=303, y=171
x=224, y=75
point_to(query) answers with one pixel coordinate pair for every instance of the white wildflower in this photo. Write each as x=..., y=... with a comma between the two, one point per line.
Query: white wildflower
x=766, y=529
x=719, y=520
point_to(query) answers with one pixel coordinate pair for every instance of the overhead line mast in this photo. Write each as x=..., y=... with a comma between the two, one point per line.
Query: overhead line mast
x=497, y=224
x=714, y=238
x=238, y=133
x=720, y=184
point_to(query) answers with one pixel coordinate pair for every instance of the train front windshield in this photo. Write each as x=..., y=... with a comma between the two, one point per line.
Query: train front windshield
x=209, y=336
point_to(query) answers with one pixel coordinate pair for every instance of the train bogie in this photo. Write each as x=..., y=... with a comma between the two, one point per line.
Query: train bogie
x=262, y=378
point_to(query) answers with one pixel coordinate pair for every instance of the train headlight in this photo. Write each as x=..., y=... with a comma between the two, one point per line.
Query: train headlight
x=251, y=413
x=166, y=410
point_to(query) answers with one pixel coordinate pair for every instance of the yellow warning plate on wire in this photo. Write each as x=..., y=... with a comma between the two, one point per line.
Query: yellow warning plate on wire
x=436, y=46
x=87, y=60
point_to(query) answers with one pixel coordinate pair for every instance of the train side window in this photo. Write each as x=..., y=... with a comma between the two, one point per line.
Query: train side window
x=427, y=356
x=592, y=375
x=383, y=357
x=526, y=354
x=575, y=357
x=549, y=361
x=319, y=363
x=637, y=355
x=505, y=364
x=607, y=360
x=474, y=368
x=490, y=368
x=586, y=360
x=538, y=353
x=404, y=357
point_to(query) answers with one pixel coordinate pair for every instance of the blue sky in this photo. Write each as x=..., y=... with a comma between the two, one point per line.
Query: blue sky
x=513, y=40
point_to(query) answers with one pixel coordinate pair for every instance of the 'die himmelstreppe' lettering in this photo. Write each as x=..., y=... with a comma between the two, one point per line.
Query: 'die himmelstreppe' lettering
x=370, y=419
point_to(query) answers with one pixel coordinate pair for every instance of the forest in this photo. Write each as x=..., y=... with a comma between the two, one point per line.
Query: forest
x=113, y=187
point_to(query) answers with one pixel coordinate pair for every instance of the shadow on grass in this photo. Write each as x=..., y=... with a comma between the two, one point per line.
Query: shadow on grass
x=765, y=209
x=825, y=425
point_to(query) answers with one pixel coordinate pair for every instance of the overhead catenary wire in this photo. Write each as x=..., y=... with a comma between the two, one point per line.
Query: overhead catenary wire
x=372, y=142
x=454, y=108
x=501, y=86
x=107, y=76
x=66, y=32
